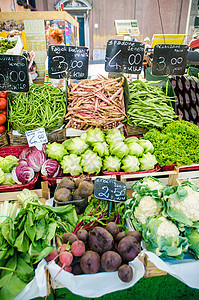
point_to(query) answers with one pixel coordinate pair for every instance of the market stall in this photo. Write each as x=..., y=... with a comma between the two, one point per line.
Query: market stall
x=98, y=174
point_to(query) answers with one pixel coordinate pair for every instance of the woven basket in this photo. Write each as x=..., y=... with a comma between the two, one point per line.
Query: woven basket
x=58, y=135
x=134, y=130
x=16, y=140
x=4, y=139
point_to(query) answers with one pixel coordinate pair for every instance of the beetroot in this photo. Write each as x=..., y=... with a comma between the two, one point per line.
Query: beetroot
x=120, y=236
x=110, y=261
x=128, y=248
x=135, y=234
x=82, y=235
x=90, y=262
x=113, y=228
x=100, y=240
x=78, y=248
x=125, y=273
x=52, y=256
x=66, y=258
x=76, y=269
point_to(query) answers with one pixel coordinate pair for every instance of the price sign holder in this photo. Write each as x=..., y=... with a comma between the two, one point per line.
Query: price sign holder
x=111, y=190
x=68, y=62
x=13, y=73
x=36, y=137
x=124, y=56
x=169, y=59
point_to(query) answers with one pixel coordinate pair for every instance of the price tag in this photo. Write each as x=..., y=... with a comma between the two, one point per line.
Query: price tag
x=169, y=59
x=36, y=137
x=13, y=73
x=68, y=62
x=110, y=190
x=124, y=56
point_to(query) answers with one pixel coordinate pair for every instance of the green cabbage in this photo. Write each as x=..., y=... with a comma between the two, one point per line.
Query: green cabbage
x=119, y=149
x=8, y=163
x=8, y=179
x=111, y=164
x=135, y=149
x=2, y=176
x=75, y=145
x=114, y=136
x=94, y=135
x=91, y=162
x=147, y=162
x=101, y=149
x=71, y=165
x=162, y=237
x=147, y=145
x=132, y=139
x=56, y=151
x=130, y=163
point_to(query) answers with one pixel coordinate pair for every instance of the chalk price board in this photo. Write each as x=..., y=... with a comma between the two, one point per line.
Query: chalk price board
x=169, y=59
x=110, y=190
x=13, y=73
x=68, y=62
x=124, y=56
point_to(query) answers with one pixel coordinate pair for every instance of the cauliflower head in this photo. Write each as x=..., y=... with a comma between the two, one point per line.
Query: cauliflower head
x=147, y=207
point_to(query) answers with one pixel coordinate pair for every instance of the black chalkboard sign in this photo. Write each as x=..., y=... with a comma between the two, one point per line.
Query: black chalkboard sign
x=124, y=56
x=169, y=59
x=110, y=190
x=68, y=62
x=13, y=73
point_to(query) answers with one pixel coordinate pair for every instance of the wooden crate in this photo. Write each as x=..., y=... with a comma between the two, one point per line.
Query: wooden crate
x=42, y=193
x=151, y=270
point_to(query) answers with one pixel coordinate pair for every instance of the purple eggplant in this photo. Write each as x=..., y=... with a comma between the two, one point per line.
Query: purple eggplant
x=180, y=101
x=193, y=98
x=193, y=114
x=186, y=115
x=180, y=114
x=187, y=101
x=186, y=83
x=179, y=83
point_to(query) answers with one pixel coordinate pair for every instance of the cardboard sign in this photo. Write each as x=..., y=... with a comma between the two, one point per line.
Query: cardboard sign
x=124, y=56
x=68, y=62
x=110, y=190
x=13, y=73
x=169, y=59
x=36, y=137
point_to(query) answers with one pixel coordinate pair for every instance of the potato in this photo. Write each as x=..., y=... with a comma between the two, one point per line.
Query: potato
x=110, y=261
x=128, y=248
x=63, y=195
x=100, y=240
x=90, y=262
x=85, y=188
x=125, y=273
x=66, y=182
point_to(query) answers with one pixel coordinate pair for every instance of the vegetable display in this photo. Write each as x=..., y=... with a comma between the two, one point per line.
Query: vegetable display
x=96, y=150
x=148, y=106
x=167, y=216
x=6, y=44
x=177, y=143
x=24, y=240
x=96, y=103
x=43, y=106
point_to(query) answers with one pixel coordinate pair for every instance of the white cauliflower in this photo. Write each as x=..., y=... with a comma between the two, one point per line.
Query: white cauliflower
x=189, y=206
x=167, y=228
x=153, y=184
x=147, y=207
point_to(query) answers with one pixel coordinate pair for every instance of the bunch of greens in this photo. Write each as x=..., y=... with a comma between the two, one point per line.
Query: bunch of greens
x=98, y=212
x=25, y=240
x=177, y=143
x=6, y=44
x=108, y=150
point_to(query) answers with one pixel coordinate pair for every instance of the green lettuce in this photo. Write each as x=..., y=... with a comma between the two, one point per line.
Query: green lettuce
x=114, y=136
x=101, y=149
x=135, y=149
x=8, y=163
x=147, y=145
x=91, y=162
x=95, y=135
x=2, y=176
x=119, y=149
x=8, y=179
x=75, y=145
x=71, y=165
x=111, y=164
x=130, y=163
x=56, y=151
x=147, y=162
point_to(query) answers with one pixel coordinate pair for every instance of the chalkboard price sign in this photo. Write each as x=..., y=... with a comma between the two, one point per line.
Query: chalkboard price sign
x=169, y=59
x=68, y=62
x=110, y=190
x=124, y=56
x=13, y=73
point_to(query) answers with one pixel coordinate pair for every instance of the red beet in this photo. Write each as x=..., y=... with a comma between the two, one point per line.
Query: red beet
x=78, y=248
x=51, y=256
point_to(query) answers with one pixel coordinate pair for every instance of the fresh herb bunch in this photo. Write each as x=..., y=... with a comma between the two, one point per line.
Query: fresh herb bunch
x=177, y=143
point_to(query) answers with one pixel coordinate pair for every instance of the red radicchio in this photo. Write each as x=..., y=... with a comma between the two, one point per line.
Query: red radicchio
x=22, y=174
x=26, y=151
x=51, y=168
x=23, y=161
x=36, y=159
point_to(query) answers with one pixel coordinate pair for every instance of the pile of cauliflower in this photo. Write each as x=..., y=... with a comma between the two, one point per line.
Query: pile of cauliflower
x=167, y=216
